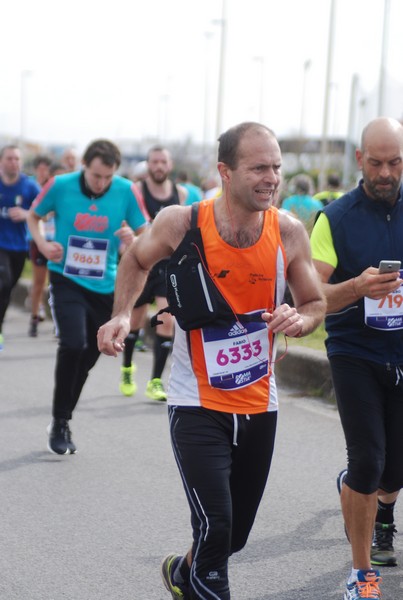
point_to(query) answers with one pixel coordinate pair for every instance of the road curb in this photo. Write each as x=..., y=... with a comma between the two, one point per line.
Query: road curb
x=21, y=292
x=307, y=371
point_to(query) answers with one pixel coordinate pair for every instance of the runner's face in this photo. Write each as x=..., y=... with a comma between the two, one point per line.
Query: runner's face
x=255, y=181
x=42, y=173
x=159, y=166
x=382, y=169
x=70, y=161
x=10, y=164
x=98, y=176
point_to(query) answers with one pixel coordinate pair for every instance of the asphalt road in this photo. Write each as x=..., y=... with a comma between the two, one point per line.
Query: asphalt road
x=94, y=526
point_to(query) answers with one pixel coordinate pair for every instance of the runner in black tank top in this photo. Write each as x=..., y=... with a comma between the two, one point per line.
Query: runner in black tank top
x=154, y=205
x=158, y=192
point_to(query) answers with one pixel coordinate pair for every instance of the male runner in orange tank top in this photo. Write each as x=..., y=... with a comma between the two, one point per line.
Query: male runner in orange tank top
x=222, y=396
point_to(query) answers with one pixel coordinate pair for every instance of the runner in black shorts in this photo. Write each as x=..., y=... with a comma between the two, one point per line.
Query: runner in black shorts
x=158, y=191
x=155, y=285
x=365, y=346
x=95, y=213
x=39, y=275
x=371, y=412
x=222, y=395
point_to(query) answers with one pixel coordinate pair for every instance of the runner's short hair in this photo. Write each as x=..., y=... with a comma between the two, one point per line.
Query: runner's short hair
x=228, y=142
x=105, y=150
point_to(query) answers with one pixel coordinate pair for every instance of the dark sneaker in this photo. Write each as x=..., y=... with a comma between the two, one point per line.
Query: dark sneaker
x=366, y=586
x=71, y=444
x=382, y=551
x=340, y=480
x=155, y=390
x=177, y=593
x=60, y=441
x=33, y=327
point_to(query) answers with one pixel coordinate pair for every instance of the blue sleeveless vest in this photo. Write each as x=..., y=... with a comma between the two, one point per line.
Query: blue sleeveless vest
x=364, y=232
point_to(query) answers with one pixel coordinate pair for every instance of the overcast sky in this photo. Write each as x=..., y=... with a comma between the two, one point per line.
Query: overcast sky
x=131, y=69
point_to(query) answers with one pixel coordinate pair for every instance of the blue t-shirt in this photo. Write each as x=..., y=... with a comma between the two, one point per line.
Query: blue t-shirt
x=304, y=207
x=13, y=236
x=86, y=227
x=194, y=193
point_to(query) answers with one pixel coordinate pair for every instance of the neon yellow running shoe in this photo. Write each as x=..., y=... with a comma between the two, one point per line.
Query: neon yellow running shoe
x=166, y=573
x=155, y=390
x=128, y=386
x=1, y=342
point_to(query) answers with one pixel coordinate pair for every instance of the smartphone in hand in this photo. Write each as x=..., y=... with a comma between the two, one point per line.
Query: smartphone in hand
x=389, y=266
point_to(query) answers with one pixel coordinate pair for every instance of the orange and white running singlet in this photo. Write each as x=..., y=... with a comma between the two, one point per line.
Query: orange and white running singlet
x=229, y=368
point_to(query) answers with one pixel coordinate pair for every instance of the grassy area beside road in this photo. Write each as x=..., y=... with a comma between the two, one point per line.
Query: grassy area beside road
x=27, y=272
x=315, y=340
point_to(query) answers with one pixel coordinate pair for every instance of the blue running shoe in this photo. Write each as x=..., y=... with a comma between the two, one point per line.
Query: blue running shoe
x=366, y=586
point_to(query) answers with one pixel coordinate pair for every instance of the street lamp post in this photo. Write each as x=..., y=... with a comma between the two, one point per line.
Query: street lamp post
x=307, y=66
x=221, y=70
x=208, y=35
x=260, y=61
x=382, y=73
x=25, y=73
x=349, y=144
x=163, y=117
x=324, y=142
x=164, y=111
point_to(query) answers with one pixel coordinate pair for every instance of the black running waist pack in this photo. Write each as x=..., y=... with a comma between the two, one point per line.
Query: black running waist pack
x=193, y=298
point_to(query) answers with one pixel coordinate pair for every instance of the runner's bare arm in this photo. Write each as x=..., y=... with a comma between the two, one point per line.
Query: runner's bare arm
x=369, y=283
x=52, y=250
x=309, y=301
x=158, y=241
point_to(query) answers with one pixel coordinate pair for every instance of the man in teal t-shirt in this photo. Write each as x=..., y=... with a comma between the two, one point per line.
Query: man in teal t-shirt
x=302, y=204
x=194, y=193
x=95, y=212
